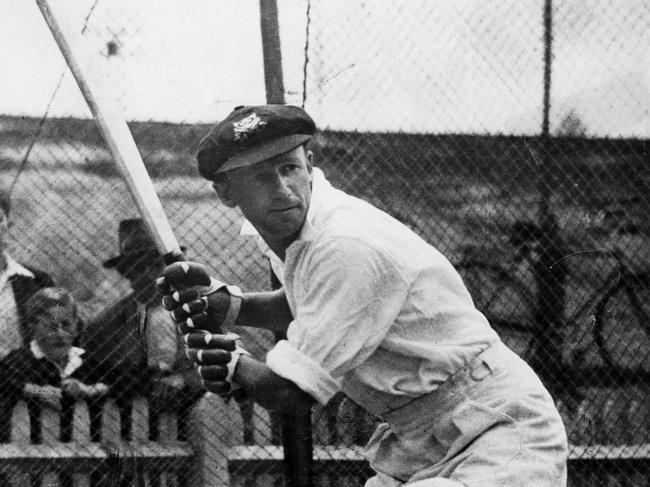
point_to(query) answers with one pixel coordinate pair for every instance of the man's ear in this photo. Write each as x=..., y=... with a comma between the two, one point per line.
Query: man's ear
x=310, y=163
x=224, y=191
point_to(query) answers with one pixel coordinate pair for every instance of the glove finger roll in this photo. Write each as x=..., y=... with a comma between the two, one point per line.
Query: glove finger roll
x=198, y=321
x=196, y=306
x=186, y=295
x=209, y=356
x=193, y=323
x=212, y=372
x=179, y=314
x=181, y=275
x=169, y=303
x=206, y=340
x=162, y=286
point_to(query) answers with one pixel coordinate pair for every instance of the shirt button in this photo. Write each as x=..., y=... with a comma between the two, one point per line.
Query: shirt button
x=480, y=371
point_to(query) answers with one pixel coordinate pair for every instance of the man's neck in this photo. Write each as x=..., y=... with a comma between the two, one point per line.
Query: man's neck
x=279, y=246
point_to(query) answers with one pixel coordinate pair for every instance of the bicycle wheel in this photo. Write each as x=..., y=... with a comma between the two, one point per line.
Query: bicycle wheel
x=622, y=327
x=504, y=301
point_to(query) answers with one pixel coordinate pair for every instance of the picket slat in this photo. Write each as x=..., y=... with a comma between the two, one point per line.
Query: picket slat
x=57, y=449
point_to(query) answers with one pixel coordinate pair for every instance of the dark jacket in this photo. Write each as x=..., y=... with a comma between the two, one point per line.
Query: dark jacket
x=116, y=338
x=20, y=367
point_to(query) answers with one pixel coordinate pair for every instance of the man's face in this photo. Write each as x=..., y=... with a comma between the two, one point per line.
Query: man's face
x=142, y=270
x=273, y=195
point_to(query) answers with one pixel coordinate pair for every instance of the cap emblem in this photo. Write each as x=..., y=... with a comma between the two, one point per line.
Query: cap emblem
x=247, y=126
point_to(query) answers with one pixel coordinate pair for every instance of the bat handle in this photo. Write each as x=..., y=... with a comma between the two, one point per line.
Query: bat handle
x=174, y=256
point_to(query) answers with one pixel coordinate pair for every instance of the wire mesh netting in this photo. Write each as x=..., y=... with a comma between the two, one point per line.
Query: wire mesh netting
x=530, y=172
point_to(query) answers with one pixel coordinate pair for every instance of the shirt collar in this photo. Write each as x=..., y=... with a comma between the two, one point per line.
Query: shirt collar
x=319, y=193
x=74, y=357
x=14, y=269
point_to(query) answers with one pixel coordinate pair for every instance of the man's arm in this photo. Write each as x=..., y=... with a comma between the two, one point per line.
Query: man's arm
x=191, y=294
x=268, y=310
x=268, y=389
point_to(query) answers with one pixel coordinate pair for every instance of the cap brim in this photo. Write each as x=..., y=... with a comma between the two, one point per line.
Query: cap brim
x=114, y=261
x=263, y=151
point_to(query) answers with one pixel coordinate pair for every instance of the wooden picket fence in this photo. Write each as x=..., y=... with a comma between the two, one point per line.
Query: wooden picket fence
x=95, y=445
x=129, y=445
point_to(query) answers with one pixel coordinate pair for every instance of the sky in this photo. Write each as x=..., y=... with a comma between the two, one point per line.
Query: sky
x=459, y=66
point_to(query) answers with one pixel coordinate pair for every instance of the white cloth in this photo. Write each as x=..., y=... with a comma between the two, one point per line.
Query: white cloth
x=161, y=338
x=375, y=306
x=10, y=337
x=73, y=363
x=492, y=424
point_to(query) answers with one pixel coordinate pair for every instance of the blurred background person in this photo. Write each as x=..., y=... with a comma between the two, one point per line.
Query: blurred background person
x=50, y=370
x=18, y=282
x=136, y=335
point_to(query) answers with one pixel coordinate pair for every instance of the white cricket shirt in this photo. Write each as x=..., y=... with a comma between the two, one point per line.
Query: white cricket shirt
x=376, y=308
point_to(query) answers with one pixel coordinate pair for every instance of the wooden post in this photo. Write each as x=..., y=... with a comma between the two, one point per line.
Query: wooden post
x=296, y=428
x=273, y=78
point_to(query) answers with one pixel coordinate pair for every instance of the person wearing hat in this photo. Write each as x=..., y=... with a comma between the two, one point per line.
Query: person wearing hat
x=136, y=335
x=18, y=282
x=369, y=309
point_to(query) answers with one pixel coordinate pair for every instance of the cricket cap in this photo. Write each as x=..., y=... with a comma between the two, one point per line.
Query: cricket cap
x=251, y=134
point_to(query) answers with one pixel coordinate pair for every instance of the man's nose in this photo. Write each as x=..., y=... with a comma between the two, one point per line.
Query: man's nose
x=281, y=183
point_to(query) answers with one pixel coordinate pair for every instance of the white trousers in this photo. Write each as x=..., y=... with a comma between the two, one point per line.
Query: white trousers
x=493, y=424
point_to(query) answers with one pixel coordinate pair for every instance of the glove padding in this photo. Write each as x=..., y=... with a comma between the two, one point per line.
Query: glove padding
x=196, y=300
x=215, y=357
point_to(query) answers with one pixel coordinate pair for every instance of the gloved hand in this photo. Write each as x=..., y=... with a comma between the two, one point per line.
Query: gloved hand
x=196, y=300
x=215, y=358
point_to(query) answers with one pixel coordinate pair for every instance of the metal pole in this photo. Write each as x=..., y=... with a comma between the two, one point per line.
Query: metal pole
x=550, y=270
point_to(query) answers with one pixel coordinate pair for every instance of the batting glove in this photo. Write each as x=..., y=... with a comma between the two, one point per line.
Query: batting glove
x=196, y=300
x=215, y=358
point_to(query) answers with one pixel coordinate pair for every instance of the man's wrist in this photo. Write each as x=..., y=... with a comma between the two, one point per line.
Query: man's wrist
x=232, y=367
x=236, y=297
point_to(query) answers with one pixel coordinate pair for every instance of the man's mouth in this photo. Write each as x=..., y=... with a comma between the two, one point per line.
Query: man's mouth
x=283, y=210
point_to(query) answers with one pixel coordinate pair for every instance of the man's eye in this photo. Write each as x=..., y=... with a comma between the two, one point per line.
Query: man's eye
x=290, y=167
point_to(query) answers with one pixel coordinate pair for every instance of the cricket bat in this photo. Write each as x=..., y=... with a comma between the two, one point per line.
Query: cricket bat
x=113, y=128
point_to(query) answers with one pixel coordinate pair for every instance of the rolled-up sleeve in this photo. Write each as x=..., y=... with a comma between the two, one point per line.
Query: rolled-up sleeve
x=347, y=296
x=292, y=364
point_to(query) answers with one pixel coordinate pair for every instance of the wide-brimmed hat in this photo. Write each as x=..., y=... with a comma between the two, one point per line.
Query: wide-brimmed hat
x=135, y=242
x=251, y=134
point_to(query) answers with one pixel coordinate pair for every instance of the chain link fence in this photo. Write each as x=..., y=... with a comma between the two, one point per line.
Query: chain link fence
x=529, y=172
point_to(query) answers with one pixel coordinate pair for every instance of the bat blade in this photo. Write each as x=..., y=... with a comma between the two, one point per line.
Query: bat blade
x=112, y=126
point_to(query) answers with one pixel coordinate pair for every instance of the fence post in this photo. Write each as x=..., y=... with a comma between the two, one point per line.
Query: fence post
x=273, y=78
x=550, y=270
